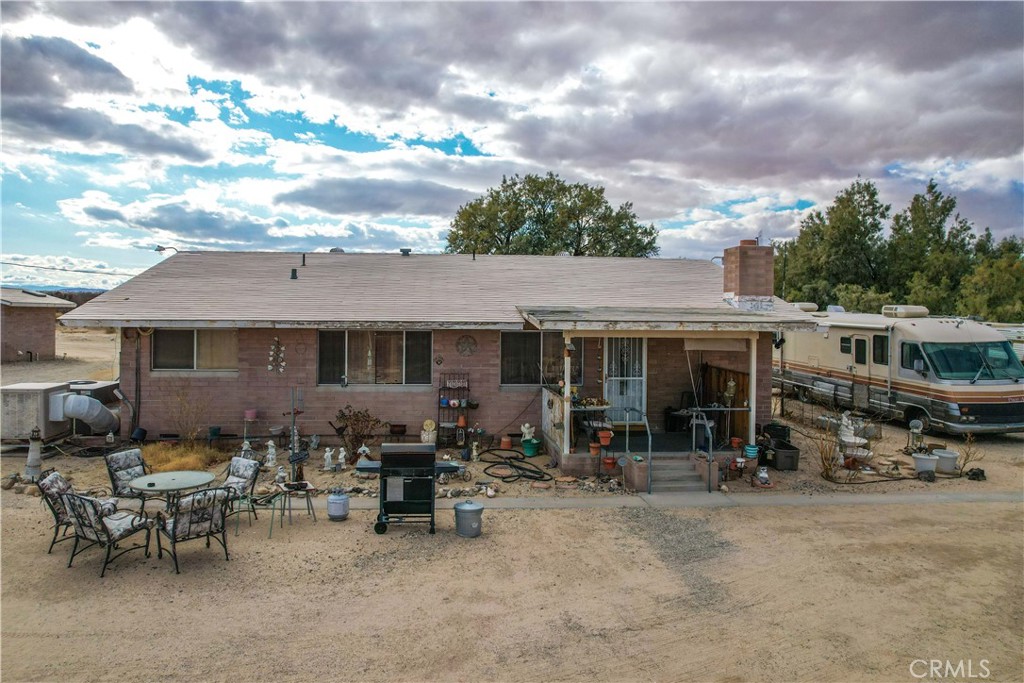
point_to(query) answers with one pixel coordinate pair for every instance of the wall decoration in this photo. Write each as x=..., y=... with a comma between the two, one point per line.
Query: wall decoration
x=466, y=345
x=275, y=360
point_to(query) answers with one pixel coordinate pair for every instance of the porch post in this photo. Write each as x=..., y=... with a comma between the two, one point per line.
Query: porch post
x=752, y=388
x=566, y=394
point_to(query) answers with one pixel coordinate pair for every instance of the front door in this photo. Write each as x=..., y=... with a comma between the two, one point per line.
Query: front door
x=861, y=375
x=625, y=383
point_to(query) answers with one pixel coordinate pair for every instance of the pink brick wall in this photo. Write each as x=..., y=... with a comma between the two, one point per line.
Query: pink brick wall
x=226, y=396
x=739, y=362
x=27, y=329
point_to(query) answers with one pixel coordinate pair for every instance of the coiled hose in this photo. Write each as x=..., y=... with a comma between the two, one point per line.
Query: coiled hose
x=521, y=468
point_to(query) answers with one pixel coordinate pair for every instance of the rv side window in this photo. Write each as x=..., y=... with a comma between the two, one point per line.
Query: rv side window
x=844, y=344
x=880, y=349
x=860, y=351
x=910, y=353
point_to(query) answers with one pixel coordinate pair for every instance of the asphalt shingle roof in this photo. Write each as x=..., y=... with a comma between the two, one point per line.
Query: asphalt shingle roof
x=255, y=289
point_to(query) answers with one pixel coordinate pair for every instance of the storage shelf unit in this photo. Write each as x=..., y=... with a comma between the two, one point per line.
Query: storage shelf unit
x=454, y=386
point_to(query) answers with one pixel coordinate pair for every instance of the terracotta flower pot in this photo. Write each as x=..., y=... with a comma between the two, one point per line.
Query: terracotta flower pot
x=605, y=437
x=595, y=448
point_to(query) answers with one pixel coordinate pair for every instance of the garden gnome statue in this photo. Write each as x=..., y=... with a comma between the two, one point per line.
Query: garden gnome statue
x=342, y=459
x=528, y=431
x=328, y=461
x=271, y=454
x=281, y=476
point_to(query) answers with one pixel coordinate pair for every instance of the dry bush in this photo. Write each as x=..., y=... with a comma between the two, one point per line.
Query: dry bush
x=168, y=457
x=360, y=427
x=188, y=413
x=969, y=453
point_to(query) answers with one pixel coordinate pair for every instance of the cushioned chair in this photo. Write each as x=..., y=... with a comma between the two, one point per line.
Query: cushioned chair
x=51, y=484
x=95, y=524
x=241, y=479
x=124, y=466
x=197, y=515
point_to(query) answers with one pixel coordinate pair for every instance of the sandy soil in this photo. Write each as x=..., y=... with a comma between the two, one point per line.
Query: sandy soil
x=786, y=594
x=81, y=354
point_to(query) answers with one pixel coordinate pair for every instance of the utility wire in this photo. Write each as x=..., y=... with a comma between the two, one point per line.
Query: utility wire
x=67, y=270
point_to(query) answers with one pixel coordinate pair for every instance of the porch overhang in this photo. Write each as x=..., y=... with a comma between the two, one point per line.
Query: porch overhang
x=647, y=321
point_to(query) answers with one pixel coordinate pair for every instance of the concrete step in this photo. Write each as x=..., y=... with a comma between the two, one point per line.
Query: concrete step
x=666, y=487
x=689, y=475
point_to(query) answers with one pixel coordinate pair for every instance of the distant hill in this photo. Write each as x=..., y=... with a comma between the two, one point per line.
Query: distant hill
x=76, y=295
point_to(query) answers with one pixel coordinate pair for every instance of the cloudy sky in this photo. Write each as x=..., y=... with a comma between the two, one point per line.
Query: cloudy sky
x=307, y=126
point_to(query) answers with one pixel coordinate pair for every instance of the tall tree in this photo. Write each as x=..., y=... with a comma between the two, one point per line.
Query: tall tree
x=929, y=252
x=843, y=245
x=995, y=289
x=546, y=215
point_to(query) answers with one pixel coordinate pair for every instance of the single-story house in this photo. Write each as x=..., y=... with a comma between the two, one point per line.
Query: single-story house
x=29, y=323
x=216, y=335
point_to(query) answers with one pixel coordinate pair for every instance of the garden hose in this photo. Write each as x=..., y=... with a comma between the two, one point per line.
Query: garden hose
x=521, y=468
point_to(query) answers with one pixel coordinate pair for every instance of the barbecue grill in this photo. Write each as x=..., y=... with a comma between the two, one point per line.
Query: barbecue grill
x=407, y=474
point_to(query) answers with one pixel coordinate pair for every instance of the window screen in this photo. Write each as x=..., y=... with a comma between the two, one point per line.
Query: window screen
x=880, y=349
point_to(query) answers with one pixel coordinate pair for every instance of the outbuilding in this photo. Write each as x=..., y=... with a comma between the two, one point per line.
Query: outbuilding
x=28, y=320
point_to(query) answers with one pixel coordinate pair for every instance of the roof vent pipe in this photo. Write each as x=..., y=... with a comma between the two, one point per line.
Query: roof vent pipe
x=406, y=251
x=295, y=273
x=303, y=260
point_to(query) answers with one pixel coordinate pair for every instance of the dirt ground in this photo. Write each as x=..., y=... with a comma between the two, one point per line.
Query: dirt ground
x=837, y=593
x=793, y=593
x=81, y=354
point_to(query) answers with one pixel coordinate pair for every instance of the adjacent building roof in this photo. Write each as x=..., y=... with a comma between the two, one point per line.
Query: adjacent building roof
x=26, y=298
x=256, y=289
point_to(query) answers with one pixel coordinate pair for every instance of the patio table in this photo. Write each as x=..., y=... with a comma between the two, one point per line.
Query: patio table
x=166, y=482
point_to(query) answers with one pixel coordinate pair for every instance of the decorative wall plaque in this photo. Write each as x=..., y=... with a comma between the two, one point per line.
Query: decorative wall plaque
x=466, y=345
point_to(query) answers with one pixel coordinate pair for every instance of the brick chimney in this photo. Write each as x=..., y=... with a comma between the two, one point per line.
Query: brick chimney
x=749, y=278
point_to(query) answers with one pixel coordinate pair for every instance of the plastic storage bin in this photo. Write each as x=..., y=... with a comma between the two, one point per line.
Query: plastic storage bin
x=787, y=456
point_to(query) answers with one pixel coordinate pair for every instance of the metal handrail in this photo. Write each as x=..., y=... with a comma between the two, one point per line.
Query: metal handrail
x=647, y=427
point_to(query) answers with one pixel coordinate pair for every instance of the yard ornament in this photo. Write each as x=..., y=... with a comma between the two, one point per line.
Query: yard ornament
x=271, y=454
x=528, y=431
x=328, y=462
x=281, y=476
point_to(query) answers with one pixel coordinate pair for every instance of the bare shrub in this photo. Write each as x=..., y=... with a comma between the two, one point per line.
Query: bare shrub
x=356, y=427
x=168, y=457
x=969, y=453
x=188, y=413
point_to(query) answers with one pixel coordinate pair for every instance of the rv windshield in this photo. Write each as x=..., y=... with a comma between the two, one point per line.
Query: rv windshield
x=974, y=361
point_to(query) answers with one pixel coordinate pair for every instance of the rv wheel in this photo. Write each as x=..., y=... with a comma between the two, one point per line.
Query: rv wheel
x=922, y=416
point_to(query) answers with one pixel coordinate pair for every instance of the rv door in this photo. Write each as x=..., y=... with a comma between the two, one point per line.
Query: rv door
x=860, y=372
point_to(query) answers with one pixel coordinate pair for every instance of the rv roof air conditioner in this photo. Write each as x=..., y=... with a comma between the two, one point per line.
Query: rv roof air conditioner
x=806, y=306
x=835, y=308
x=904, y=311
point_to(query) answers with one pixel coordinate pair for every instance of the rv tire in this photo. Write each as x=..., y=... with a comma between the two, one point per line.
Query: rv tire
x=918, y=414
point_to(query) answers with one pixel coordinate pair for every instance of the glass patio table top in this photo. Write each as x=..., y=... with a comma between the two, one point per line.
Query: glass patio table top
x=171, y=481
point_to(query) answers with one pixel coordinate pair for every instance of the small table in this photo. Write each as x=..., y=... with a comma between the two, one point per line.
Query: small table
x=166, y=482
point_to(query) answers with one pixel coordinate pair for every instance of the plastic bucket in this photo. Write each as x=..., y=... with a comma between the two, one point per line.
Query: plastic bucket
x=924, y=462
x=337, y=506
x=750, y=451
x=214, y=432
x=468, y=518
x=250, y=415
x=530, y=447
x=947, y=460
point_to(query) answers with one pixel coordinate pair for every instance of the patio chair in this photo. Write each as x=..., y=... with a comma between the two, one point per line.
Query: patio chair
x=51, y=485
x=124, y=466
x=198, y=515
x=241, y=479
x=94, y=523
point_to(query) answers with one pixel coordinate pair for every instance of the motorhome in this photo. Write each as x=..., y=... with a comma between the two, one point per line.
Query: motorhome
x=954, y=375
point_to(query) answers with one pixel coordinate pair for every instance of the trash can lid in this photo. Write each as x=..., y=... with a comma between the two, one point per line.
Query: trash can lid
x=468, y=506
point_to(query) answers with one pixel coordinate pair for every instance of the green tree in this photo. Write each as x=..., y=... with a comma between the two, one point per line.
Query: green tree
x=929, y=252
x=843, y=245
x=546, y=215
x=995, y=289
x=857, y=299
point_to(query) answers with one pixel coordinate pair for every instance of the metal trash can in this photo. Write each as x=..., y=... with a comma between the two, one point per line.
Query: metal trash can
x=468, y=516
x=337, y=506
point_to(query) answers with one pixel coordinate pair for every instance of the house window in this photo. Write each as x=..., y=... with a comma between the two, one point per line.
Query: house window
x=372, y=357
x=845, y=344
x=880, y=349
x=536, y=357
x=195, y=350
